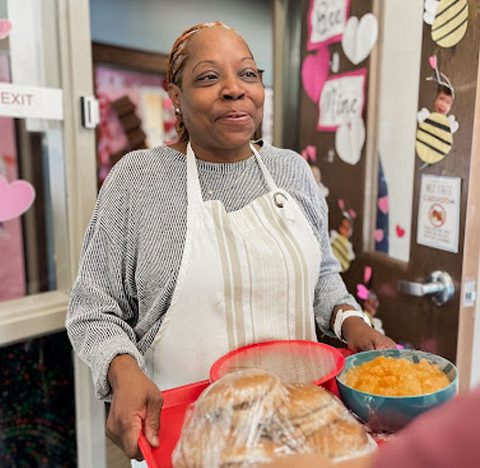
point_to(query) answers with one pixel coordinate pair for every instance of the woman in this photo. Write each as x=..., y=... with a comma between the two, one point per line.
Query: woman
x=203, y=246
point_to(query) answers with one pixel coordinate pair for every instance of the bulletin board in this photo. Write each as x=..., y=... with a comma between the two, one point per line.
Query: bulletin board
x=135, y=110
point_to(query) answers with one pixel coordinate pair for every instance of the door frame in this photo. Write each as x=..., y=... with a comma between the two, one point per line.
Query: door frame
x=42, y=314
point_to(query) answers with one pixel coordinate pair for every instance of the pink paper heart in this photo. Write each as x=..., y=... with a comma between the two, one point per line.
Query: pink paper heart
x=432, y=60
x=5, y=28
x=15, y=198
x=362, y=292
x=400, y=231
x=379, y=234
x=367, y=274
x=383, y=204
x=310, y=153
x=315, y=73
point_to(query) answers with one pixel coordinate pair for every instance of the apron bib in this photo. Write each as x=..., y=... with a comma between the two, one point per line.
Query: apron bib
x=246, y=276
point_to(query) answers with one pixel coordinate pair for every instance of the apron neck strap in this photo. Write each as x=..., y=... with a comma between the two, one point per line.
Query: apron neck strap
x=268, y=178
x=194, y=192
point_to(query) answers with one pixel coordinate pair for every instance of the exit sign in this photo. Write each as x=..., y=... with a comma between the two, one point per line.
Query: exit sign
x=30, y=102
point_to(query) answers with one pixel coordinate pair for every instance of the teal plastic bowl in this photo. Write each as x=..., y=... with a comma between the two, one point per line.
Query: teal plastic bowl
x=387, y=413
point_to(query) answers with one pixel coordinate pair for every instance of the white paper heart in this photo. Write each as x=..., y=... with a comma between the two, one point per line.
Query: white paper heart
x=349, y=140
x=359, y=37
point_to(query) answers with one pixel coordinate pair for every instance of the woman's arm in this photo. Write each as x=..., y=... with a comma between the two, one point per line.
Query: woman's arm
x=332, y=295
x=102, y=311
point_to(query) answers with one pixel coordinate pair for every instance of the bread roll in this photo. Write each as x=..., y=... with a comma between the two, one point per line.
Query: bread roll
x=339, y=438
x=327, y=425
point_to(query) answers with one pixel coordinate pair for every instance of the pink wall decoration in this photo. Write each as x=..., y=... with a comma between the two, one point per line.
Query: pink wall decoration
x=15, y=198
x=5, y=28
x=12, y=273
x=315, y=73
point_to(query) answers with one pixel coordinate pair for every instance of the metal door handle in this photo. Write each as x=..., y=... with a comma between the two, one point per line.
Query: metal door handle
x=439, y=286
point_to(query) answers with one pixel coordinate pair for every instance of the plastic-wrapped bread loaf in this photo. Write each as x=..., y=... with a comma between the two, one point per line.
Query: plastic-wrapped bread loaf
x=250, y=417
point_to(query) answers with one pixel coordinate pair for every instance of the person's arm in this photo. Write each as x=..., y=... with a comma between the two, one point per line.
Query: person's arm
x=102, y=309
x=331, y=293
x=102, y=312
x=136, y=402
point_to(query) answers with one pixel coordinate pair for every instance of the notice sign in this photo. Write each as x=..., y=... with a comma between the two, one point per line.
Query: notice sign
x=31, y=102
x=439, y=212
x=342, y=99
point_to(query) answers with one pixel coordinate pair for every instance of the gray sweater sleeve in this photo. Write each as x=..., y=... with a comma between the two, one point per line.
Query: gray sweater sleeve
x=102, y=308
x=330, y=290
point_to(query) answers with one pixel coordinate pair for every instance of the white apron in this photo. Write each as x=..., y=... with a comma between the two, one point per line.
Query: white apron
x=246, y=276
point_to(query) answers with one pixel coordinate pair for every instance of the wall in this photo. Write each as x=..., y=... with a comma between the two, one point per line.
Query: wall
x=153, y=25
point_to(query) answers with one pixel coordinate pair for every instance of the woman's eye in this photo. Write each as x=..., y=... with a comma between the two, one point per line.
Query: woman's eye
x=250, y=74
x=207, y=77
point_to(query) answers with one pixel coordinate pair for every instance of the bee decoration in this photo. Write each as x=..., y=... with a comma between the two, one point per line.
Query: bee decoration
x=434, y=138
x=449, y=20
x=340, y=240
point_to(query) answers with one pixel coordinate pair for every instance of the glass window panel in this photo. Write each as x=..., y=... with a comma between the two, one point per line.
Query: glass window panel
x=33, y=238
x=397, y=109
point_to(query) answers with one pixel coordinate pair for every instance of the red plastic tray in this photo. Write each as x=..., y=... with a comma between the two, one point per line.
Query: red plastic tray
x=175, y=404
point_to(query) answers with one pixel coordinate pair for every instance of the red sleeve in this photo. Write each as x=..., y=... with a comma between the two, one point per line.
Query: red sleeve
x=445, y=437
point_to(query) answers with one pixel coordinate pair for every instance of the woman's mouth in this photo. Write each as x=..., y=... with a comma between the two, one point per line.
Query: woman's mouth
x=235, y=117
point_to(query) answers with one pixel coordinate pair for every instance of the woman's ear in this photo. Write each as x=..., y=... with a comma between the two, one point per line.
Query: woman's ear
x=174, y=93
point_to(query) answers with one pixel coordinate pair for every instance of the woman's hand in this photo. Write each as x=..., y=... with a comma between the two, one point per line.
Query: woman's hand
x=136, y=401
x=361, y=337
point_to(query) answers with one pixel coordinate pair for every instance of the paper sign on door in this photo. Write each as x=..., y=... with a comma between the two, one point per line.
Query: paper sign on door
x=439, y=212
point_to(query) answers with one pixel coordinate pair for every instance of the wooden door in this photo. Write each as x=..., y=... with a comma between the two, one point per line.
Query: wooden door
x=416, y=321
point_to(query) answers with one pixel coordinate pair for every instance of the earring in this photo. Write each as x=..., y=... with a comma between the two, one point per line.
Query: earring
x=178, y=111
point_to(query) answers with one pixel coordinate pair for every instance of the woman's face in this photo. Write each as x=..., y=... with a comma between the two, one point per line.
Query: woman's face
x=221, y=94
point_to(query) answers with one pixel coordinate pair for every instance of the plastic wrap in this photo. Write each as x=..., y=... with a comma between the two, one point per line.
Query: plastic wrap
x=250, y=416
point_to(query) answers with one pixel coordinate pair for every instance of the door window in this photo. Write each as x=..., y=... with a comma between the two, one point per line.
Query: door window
x=33, y=237
x=398, y=102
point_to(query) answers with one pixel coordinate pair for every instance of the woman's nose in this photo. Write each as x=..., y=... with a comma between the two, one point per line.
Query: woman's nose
x=232, y=89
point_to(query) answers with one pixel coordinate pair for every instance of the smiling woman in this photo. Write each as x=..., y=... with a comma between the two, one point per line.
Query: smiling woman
x=203, y=246
x=218, y=95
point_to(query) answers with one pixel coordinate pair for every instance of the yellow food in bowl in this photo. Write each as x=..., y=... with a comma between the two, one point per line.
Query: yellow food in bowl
x=396, y=377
